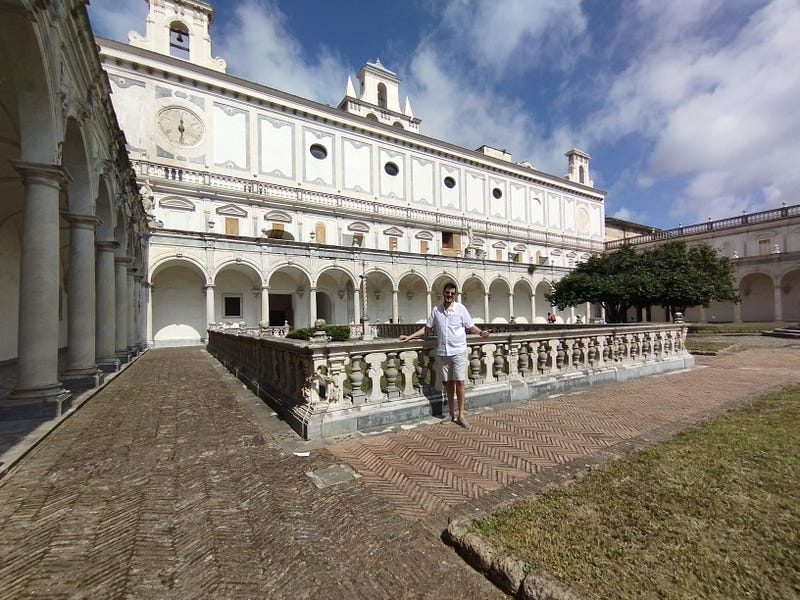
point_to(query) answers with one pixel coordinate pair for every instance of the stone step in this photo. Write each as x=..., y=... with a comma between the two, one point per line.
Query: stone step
x=784, y=332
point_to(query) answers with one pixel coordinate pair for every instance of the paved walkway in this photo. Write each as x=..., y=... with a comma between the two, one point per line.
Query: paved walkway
x=175, y=482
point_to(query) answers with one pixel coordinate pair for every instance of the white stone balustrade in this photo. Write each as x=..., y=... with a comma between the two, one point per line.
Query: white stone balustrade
x=325, y=389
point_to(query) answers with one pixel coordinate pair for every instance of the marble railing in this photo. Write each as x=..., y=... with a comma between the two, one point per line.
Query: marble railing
x=320, y=381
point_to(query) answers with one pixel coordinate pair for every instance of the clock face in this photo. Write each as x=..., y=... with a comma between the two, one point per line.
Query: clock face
x=180, y=126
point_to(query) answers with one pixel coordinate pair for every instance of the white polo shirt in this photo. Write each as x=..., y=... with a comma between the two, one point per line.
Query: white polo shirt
x=451, y=328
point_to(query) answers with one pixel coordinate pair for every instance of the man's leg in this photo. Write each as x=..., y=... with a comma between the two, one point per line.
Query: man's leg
x=451, y=387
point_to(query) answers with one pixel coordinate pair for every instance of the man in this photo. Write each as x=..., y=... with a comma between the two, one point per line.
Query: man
x=451, y=321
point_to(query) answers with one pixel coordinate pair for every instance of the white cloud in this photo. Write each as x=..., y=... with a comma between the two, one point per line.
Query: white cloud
x=257, y=47
x=116, y=18
x=518, y=35
x=719, y=111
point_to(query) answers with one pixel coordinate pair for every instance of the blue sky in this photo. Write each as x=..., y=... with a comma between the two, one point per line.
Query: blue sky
x=689, y=108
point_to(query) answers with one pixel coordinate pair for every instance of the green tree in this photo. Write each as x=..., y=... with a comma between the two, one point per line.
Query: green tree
x=617, y=281
x=672, y=275
x=691, y=276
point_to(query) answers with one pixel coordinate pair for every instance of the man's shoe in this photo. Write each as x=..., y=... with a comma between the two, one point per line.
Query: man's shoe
x=448, y=419
x=462, y=420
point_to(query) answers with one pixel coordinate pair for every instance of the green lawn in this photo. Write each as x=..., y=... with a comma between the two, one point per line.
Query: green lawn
x=712, y=513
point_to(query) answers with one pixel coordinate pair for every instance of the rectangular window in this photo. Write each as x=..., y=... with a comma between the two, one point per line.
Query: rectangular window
x=232, y=306
x=358, y=240
x=763, y=247
x=447, y=240
x=498, y=254
x=423, y=246
x=231, y=226
x=393, y=244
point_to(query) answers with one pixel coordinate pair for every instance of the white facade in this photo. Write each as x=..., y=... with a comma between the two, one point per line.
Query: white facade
x=72, y=228
x=273, y=208
x=765, y=248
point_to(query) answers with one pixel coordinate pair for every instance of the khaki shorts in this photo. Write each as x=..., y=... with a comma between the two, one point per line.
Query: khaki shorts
x=453, y=368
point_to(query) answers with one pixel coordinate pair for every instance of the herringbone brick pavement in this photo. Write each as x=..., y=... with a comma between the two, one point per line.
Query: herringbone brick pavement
x=433, y=470
x=165, y=485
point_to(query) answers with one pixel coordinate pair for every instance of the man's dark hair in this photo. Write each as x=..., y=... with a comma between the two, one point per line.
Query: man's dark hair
x=450, y=286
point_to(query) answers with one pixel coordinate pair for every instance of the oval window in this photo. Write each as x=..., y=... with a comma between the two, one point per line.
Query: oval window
x=391, y=169
x=319, y=151
x=449, y=182
x=497, y=193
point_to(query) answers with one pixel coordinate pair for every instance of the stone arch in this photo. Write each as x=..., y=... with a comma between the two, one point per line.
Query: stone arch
x=472, y=295
x=237, y=293
x=412, y=300
x=757, y=292
x=543, y=306
x=790, y=295
x=499, y=290
x=335, y=291
x=178, y=299
x=289, y=286
x=522, y=292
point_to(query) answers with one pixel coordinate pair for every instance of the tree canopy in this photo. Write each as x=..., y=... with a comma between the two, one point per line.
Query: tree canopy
x=672, y=275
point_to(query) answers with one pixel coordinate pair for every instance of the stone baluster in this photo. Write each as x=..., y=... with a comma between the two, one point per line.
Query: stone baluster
x=633, y=345
x=357, y=396
x=475, y=375
x=408, y=369
x=490, y=351
x=543, y=358
x=577, y=353
x=334, y=382
x=499, y=369
x=647, y=346
x=391, y=372
x=436, y=380
x=657, y=346
x=375, y=362
x=524, y=360
x=513, y=361
x=560, y=354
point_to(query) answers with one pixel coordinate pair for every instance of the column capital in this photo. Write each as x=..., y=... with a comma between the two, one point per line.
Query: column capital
x=209, y=286
x=54, y=175
x=121, y=260
x=84, y=221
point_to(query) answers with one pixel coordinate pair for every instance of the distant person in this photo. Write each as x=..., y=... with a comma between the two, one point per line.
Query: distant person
x=451, y=321
x=579, y=319
x=551, y=317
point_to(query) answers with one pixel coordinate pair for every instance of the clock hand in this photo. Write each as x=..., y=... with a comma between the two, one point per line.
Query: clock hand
x=181, y=129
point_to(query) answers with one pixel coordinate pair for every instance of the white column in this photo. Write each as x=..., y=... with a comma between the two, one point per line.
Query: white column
x=312, y=306
x=510, y=306
x=357, y=306
x=737, y=312
x=428, y=303
x=139, y=317
x=395, y=306
x=486, y=307
x=533, y=307
x=265, y=305
x=37, y=362
x=121, y=302
x=105, y=321
x=132, y=308
x=81, y=298
x=210, y=316
x=778, y=303
x=148, y=303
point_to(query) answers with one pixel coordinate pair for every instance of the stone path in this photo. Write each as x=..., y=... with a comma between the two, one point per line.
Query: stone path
x=175, y=482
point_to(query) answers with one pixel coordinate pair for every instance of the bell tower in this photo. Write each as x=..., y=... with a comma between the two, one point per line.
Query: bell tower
x=578, y=167
x=379, y=99
x=179, y=28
